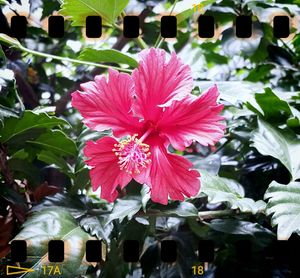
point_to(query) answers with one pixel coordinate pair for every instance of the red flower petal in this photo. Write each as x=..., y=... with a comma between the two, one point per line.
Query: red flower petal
x=193, y=118
x=106, y=105
x=169, y=175
x=106, y=171
x=159, y=82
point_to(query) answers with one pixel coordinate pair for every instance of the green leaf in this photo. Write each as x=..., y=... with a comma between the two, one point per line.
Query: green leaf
x=230, y=191
x=274, y=110
x=77, y=205
x=97, y=225
x=259, y=72
x=54, y=224
x=270, y=141
x=284, y=206
x=181, y=209
x=126, y=207
x=23, y=169
x=57, y=142
x=58, y=162
x=215, y=58
x=15, y=127
x=78, y=10
x=237, y=227
x=184, y=15
x=81, y=180
x=189, y=12
x=107, y=55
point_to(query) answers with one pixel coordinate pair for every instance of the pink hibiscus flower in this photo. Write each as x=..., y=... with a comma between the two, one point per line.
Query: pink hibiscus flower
x=154, y=108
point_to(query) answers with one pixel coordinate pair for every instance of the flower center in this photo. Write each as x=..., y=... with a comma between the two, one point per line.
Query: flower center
x=133, y=154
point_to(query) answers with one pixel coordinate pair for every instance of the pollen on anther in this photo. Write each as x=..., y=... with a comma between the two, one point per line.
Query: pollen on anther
x=133, y=155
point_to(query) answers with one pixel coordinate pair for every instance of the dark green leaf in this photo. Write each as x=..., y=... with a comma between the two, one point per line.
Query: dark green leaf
x=81, y=180
x=238, y=227
x=56, y=141
x=24, y=169
x=126, y=207
x=274, y=109
x=76, y=205
x=259, y=73
x=17, y=127
x=107, y=55
x=56, y=161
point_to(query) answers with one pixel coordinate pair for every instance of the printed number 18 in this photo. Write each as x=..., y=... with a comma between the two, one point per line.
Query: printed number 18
x=198, y=270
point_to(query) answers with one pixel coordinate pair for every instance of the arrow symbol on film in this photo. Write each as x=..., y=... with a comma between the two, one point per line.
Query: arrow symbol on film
x=12, y=270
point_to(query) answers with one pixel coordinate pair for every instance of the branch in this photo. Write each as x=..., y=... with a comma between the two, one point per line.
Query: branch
x=207, y=215
x=26, y=91
x=202, y=215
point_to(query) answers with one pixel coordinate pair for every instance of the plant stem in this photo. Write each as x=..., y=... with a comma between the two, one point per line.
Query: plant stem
x=205, y=215
x=202, y=215
x=141, y=43
x=160, y=40
x=66, y=59
x=16, y=44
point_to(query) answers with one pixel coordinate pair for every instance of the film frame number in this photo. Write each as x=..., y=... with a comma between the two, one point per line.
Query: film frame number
x=198, y=270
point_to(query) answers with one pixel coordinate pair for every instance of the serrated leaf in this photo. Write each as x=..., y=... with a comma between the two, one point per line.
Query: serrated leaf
x=220, y=189
x=107, y=55
x=126, y=207
x=96, y=225
x=181, y=209
x=17, y=127
x=57, y=142
x=54, y=224
x=78, y=10
x=270, y=141
x=77, y=205
x=284, y=206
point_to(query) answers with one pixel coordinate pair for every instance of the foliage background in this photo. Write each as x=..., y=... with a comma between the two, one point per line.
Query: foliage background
x=250, y=180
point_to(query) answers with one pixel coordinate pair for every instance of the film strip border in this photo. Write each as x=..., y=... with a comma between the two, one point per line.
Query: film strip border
x=131, y=26
x=282, y=250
